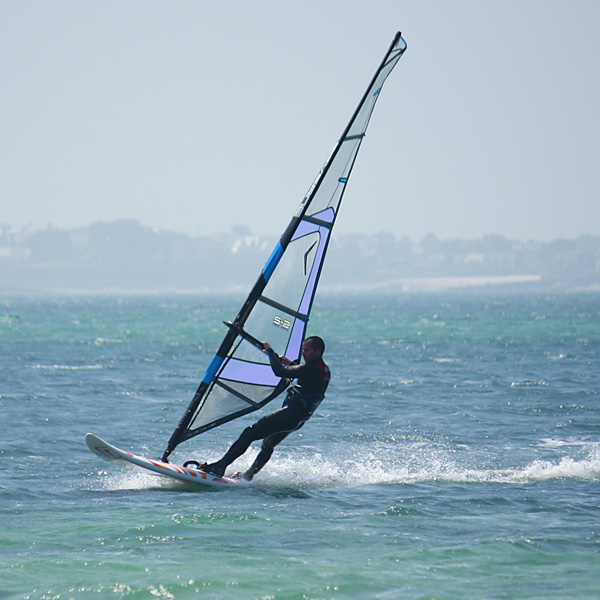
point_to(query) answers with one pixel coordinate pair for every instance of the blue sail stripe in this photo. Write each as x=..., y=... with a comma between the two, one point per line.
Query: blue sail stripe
x=216, y=362
x=272, y=262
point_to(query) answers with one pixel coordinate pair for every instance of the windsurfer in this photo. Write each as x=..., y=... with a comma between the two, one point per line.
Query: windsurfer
x=301, y=401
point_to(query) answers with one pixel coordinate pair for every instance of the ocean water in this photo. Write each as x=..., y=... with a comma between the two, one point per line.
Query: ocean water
x=456, y=455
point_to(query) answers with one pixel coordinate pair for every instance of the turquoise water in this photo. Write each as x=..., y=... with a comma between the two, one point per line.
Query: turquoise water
x=457, y=453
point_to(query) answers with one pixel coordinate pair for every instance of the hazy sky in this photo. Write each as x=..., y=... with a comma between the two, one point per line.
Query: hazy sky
x=197, y=115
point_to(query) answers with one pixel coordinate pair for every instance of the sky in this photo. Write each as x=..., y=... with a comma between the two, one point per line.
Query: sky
x=195, y=116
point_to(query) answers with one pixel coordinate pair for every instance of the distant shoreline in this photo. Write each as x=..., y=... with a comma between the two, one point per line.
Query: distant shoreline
x=126, y=256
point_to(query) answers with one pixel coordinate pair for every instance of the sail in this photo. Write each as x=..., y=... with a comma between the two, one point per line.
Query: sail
x=239, y=379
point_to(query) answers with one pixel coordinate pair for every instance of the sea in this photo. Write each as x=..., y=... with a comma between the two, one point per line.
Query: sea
x=456, y=455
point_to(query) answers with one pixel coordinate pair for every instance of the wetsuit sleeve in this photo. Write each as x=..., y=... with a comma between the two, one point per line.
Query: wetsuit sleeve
x=288, y=371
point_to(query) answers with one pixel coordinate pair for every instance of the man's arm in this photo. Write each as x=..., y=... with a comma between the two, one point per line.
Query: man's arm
x=282, y=366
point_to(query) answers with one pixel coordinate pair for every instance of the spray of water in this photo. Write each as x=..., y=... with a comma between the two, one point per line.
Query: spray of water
x=375, y=465
x=378, y=466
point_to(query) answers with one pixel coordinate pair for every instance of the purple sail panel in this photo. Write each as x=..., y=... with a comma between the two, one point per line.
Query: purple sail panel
x=240, y=370
x=314, y=273
x=296, y=338
x=305, y=228
x=327, y=215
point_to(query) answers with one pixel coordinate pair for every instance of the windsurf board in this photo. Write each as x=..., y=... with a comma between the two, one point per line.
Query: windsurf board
x=113, y=454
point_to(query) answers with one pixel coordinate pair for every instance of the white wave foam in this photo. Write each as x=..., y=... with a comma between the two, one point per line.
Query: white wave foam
x=541, y=383
x=317, y=471
x=118, y=479
x=565, y=468
x=554, y=443
x=68, y=367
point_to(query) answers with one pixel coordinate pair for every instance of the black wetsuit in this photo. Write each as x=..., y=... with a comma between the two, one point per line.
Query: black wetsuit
x=312, y=381
x=300, y=403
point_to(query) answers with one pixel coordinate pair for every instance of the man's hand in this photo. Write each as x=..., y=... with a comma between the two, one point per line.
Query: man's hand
x=284, y=361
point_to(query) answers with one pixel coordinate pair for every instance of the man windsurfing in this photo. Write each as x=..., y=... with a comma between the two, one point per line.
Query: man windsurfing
x=302, y=399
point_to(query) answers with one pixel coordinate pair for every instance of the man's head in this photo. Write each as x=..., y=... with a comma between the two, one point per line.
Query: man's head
x=313, y=348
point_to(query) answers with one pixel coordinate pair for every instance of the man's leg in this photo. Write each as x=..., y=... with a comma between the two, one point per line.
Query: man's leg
x=266, y=452
x=282, y=420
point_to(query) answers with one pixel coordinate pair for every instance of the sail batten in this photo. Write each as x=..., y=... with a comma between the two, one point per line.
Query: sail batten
x=359, y=136
x=287, y=309
x=239, y=379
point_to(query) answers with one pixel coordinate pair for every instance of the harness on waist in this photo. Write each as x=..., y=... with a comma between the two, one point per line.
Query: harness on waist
x=304, y=405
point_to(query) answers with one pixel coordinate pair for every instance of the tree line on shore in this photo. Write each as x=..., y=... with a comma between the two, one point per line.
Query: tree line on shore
x=126, y=255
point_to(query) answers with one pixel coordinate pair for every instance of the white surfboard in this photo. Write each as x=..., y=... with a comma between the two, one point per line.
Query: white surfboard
x=113, y=454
